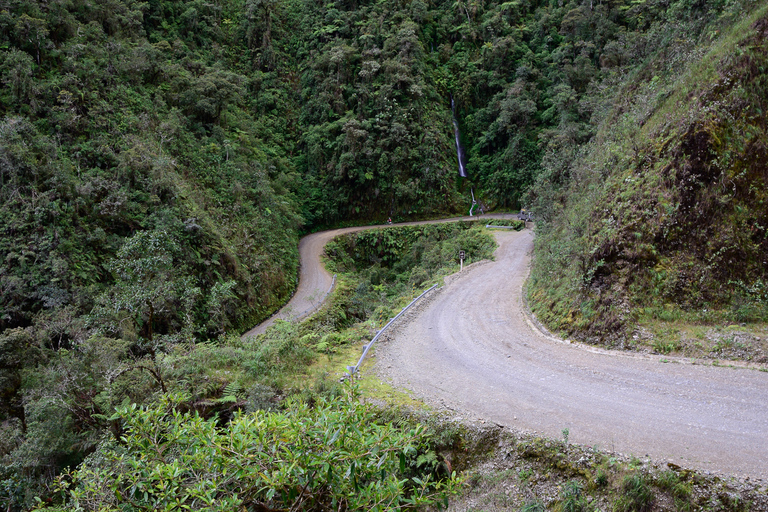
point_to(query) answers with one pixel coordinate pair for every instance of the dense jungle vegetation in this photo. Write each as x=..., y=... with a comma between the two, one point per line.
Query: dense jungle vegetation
x=159, y=159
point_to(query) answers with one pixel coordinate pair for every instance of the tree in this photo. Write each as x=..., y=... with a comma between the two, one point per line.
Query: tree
x=32, y=32
x=208, y=95
x=149, y=287
x=16, y=74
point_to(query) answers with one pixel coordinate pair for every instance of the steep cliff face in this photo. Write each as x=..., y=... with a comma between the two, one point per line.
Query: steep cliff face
x=666, y=214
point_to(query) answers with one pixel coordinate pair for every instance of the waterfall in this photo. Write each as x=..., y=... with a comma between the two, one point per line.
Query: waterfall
x=459, y=150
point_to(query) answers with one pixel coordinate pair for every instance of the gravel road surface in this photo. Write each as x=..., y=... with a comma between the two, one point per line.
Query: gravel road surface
x=472, y=348
x=315, y=281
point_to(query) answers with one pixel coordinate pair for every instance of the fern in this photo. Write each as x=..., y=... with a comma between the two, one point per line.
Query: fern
x=230, y=394
x=428, y=459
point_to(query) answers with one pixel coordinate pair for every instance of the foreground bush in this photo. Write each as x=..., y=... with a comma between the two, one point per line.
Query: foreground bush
x=333, y=455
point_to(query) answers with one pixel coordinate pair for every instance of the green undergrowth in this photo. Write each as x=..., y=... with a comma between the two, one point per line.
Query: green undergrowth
x=333, y=453
x=675, y=333
x=77, y=394
x=386, y=268
x=378, y=273
x=516, y=224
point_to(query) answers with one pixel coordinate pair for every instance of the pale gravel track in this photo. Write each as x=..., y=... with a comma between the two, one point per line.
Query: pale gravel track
x=315, y=280
x=473, y=349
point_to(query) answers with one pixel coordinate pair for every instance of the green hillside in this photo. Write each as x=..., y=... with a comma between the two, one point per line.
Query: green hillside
x=663, y=215
x=225, y=127
x=159, y=161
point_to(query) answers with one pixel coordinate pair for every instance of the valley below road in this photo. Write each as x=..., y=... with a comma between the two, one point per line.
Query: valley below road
x=471, y=348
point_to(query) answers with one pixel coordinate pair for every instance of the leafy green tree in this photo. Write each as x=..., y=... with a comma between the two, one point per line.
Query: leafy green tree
x=149, y=287
x=32, y=33
x=206, y=96
x=16, y=75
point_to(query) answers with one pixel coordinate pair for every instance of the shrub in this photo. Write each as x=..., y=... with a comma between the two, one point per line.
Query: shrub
x=572, y=500
x=636, y=495
x=601, y=479
x=331, y=456
x=533, y=506
x=681, y=491
x=516, y=224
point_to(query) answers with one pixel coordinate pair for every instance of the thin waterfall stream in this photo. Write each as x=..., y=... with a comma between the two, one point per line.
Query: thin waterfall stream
x=462, y=157
x=459, y=149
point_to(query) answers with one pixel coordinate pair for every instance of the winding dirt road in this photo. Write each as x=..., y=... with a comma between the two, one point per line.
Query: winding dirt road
x=473, y=349
x=315, y=281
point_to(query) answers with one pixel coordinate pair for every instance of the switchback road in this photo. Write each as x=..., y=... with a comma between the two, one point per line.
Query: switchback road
x=314, y=280
x=473, y=349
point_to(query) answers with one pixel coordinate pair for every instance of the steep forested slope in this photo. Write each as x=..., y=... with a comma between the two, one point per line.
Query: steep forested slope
x=663, y=215
x=221, y=125
x=141, y=205
x=109, y=131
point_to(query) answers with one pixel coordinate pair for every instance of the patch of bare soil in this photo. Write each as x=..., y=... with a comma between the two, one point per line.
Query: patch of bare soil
x=519, y=470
